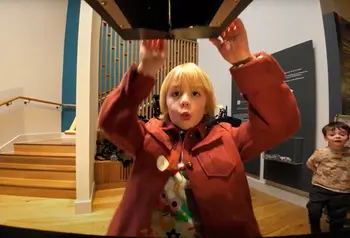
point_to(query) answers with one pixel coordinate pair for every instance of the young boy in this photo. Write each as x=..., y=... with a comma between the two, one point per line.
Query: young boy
x=188, y=177
x=331, y=178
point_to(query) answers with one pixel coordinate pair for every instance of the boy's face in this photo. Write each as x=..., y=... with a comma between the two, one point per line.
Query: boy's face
x=186, y=105
x=337, y=138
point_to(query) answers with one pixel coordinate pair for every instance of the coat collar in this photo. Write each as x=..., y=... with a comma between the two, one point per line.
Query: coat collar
x=161, y=131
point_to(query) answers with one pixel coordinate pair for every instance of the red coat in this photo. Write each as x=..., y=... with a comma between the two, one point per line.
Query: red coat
x=215, y=154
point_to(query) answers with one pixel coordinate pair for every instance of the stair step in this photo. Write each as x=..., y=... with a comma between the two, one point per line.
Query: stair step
x=37, y=187
x=37, y=171
x=37, y=167
x=38, y=153
x=43, y=168
x=59, y=145
x=57, y=141
x=37, y=183
x=37, y=192
x=46, y=148
x=38, y=174
x=38, y=158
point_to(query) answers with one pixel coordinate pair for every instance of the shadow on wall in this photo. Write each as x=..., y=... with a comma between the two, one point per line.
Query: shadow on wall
x=21, y=117
x=11, y=117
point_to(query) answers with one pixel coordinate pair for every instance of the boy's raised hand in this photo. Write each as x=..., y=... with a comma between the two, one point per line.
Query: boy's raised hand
x=153, y=54
x=233, y=45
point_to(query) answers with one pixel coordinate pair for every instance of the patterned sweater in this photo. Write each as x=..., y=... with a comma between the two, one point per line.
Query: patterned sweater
x=176, y=214
x=333, y=169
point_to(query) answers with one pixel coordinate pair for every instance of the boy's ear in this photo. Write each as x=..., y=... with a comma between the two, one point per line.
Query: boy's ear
x=325, y=138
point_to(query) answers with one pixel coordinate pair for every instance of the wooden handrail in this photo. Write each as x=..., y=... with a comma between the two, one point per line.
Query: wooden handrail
x=73, y=127
x=9, y=102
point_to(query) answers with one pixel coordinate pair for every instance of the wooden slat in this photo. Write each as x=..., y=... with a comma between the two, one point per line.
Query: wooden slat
x=110, y=174
x=180, y=51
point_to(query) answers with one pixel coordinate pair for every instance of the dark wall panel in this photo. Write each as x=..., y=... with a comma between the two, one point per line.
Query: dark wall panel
x=285, y=163
x=253, y=166
x=333, y=62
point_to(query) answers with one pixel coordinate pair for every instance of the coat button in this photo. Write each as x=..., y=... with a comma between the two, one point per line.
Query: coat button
x=181, y=166
x=189, y=165
x=162, y=163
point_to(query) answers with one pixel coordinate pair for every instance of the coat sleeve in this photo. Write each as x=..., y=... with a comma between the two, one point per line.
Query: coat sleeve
x=118, y=116
x=273, y=111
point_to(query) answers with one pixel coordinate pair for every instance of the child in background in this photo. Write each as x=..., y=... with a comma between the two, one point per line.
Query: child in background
x=188, y=178
x=331, y=179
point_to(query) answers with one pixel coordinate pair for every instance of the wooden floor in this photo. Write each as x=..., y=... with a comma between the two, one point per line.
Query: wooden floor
x=275, y=217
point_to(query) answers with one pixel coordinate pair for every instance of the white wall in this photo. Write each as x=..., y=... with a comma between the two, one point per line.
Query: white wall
x=31, y=48
x=87, y=105
x=273, y=26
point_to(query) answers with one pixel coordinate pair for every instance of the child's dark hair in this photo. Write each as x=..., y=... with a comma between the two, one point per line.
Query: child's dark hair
x=335, y=125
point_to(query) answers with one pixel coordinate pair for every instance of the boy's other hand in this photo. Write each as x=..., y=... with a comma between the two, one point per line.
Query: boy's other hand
x=153, y=54
x=233, y=44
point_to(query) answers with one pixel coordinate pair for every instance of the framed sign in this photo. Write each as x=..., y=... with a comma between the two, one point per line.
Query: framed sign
x=343, y=118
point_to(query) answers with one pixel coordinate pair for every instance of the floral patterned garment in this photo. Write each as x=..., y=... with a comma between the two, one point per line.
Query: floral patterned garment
x=173, y=216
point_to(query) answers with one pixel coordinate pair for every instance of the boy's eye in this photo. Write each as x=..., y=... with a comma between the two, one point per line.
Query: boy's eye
x=196, y=94
x=175, y=94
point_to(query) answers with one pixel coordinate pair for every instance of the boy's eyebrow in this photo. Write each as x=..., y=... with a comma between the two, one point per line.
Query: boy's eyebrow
x=175, y=87
x=197, y=86
x=332, y=130
x=340, y=129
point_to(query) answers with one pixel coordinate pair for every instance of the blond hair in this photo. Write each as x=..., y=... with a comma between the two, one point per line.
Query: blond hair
x=194, y=76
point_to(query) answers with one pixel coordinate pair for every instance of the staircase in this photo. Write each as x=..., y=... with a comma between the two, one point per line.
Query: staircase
x=43, y=168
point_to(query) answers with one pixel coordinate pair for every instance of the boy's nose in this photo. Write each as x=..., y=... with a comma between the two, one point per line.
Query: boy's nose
x=185, y=101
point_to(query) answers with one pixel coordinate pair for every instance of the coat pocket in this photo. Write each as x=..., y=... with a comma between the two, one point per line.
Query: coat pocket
x=216, y=162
